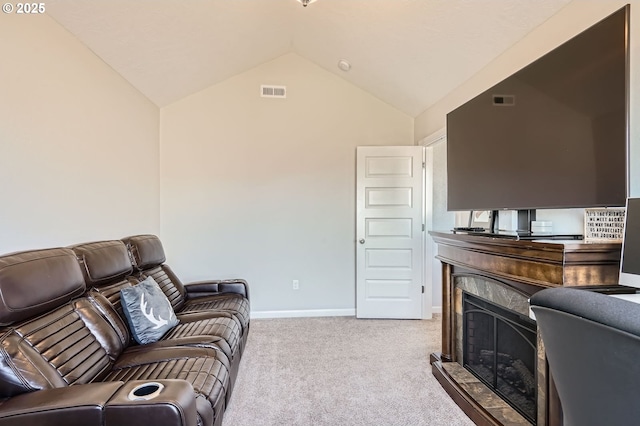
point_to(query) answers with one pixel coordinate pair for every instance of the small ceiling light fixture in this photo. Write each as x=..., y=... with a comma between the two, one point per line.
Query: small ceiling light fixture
x=306, y=3
x=344, y=65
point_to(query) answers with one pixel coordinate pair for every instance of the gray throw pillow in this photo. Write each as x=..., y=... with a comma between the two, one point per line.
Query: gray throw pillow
x=148, y=311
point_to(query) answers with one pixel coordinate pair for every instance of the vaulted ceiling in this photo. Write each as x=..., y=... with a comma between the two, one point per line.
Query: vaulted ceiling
x=409, y=53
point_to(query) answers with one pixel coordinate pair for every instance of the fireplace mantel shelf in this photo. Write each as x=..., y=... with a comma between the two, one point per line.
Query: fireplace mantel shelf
x=514, y=270
x=539, y=263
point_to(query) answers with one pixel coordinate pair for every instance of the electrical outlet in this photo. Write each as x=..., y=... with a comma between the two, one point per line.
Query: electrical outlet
x=296, y=285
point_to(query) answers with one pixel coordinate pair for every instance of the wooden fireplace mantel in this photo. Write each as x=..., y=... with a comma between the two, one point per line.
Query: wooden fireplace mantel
x=539, y=263
x=526, y=267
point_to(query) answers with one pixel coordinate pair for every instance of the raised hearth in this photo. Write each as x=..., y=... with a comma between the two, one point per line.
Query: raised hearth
x=479, y=392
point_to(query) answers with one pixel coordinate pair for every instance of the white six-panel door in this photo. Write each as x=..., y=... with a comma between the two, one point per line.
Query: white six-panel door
x=389, y=234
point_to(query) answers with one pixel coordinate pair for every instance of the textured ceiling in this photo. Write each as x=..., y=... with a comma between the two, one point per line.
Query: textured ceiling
x=409, y=53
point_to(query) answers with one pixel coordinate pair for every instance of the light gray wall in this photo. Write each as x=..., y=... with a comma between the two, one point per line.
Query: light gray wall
x=265, y=188
x=78, y=144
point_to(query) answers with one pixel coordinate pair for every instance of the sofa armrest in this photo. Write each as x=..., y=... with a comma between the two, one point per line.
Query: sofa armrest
x=72, y=405
x=216, y=287
x=98, y=404
x=175, y=405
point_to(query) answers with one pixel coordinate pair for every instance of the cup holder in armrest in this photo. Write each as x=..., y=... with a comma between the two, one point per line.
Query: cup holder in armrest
x=145, y=391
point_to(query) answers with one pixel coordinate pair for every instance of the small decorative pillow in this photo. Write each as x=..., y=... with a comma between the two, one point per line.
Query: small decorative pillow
x=148, y=311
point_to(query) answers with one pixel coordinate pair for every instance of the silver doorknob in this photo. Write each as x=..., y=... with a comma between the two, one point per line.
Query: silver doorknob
x=361, y=240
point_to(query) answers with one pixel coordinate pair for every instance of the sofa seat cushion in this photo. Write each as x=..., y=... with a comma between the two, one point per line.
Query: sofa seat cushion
x=235, y=304
x=206, y=369
x=208, y=324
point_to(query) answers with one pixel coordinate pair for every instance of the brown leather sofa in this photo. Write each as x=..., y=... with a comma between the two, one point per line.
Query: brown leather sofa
x=67, y=356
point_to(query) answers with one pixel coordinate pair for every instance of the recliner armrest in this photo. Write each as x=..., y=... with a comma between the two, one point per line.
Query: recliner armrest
x=174, y=406
x=102, y=404
x=72, y=405
x=215, y=287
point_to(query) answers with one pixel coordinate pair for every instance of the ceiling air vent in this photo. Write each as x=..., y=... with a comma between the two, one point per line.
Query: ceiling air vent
x=273, y=91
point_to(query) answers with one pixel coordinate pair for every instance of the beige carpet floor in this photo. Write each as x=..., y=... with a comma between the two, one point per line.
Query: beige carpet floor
x=341, y=371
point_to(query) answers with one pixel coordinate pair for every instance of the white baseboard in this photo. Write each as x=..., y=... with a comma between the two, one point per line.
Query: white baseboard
x=316, y=313
x=304, y=313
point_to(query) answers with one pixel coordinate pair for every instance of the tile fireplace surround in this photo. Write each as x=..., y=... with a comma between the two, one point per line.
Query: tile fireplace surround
x=507, y=298
x=506, y=273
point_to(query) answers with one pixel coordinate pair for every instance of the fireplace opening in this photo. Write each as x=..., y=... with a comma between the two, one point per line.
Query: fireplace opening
x=499, y=348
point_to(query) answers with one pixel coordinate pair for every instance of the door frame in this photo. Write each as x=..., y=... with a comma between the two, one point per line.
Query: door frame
x=429, y=247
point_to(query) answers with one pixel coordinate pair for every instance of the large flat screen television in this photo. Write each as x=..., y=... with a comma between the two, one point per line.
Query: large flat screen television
x=552, y=135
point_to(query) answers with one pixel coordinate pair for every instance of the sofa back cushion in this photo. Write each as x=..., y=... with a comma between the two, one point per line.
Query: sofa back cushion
x=146, y=250
x=103, y=262
x=108, y=327
x=37, y=281
x=55, y=350
x=169, y=284
x=107, y=269
x=148, y=255
x=52, y=337
x=111, y=293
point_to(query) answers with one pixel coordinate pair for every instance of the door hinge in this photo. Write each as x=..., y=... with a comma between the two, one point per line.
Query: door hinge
x=422, y=289
x=424, y=165
x=423, y=227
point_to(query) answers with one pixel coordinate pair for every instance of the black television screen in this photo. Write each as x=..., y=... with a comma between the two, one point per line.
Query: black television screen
x=552, y=135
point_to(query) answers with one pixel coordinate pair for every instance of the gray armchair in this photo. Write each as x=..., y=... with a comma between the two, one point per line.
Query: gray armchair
x=592, y=343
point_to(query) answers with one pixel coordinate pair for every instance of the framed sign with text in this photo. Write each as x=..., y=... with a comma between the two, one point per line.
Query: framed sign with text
x=604, y=224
